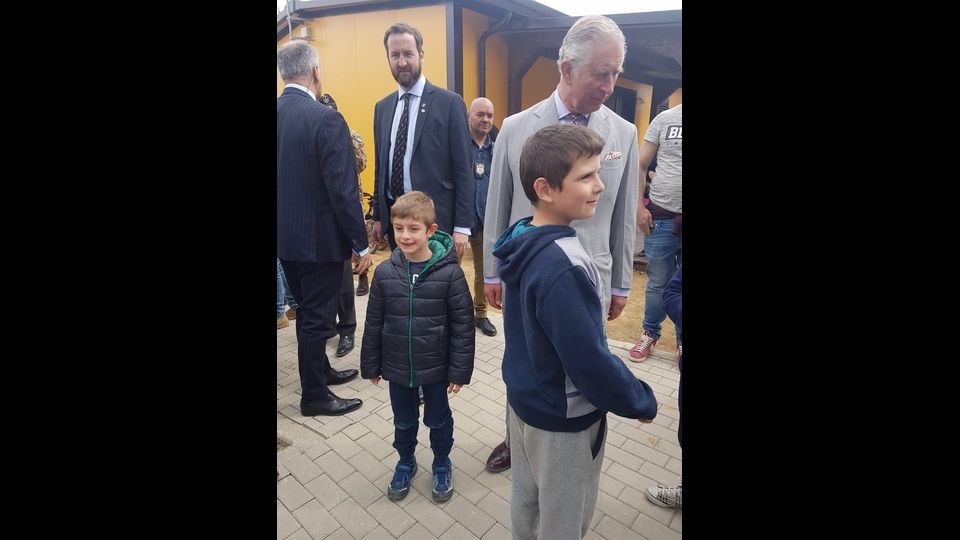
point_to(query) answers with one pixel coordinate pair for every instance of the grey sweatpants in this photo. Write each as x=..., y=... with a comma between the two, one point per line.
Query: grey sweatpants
x=555, y=481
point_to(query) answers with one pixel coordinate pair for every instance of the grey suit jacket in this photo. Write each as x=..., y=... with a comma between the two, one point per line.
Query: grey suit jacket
x=609, y=235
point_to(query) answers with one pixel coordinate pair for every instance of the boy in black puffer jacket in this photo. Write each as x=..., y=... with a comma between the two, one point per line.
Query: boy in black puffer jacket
x=419, y=333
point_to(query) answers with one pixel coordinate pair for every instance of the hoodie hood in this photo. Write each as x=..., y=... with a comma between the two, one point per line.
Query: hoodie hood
x=520, y=244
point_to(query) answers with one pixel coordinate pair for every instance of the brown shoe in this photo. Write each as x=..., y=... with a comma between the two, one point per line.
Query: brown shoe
x=282, y=322
x=291, y=314
x=499, y=459
x=362, y=287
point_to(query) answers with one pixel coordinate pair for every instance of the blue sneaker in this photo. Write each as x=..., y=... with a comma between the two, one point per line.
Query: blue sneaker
x=400, y=485
x=443, y=482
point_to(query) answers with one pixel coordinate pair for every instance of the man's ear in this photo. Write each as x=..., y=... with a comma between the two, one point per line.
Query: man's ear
x=566, y=71
x=543, y=189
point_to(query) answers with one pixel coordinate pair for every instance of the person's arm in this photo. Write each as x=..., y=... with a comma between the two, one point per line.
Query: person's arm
x=569, y=313
x=370, y=350
x=465, y=186
x=463, y=335
x=375, y=226
x=647, y=151
x=673, y=297
x=497, y=215
x=375, y=207
x=623, y=229
x=338, y=171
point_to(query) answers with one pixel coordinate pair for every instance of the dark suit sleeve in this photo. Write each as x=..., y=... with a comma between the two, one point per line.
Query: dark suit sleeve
x=370, y=351
x=673, y=297
x=464, y=184
x=338, y=170
x=463, y=335
x=375, y=206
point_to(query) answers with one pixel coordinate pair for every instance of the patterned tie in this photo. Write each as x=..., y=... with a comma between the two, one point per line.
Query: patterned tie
x=577, y=119
x=400, y=149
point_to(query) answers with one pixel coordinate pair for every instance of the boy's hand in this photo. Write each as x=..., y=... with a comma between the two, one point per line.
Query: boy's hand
x=375, y=380
x=454, y=388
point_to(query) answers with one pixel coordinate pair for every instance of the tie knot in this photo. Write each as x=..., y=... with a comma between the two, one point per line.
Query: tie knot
x=405, y=96
x=577, y=119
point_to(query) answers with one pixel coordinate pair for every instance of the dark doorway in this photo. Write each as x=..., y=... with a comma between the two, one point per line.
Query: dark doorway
x=623, y=101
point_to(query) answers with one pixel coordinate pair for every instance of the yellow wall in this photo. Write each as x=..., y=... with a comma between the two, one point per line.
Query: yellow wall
x=676, y=98
x=539, y=82
x=475, y=24
x=354, y=68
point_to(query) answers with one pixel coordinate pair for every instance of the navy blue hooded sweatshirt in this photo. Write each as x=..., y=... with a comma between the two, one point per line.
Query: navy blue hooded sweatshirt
x=560, y=374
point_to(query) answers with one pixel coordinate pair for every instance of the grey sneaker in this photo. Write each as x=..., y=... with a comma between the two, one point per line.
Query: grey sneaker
x=667, y=497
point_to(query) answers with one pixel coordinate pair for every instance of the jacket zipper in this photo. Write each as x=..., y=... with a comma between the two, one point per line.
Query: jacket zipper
x=410, y=326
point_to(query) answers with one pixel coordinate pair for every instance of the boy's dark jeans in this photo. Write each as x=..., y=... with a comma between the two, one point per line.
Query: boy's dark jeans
x=436, y=415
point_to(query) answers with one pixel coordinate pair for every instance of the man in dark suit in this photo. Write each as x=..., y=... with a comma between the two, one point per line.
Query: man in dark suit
x=319, y=220
x=422, y=143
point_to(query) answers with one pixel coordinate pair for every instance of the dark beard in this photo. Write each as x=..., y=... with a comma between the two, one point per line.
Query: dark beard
x=414, y=77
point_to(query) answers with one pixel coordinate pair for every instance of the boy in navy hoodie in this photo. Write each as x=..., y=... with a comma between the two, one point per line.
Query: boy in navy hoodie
x=560, y=376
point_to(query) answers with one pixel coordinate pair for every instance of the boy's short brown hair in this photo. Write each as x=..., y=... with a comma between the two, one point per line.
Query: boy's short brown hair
x=551, y=153
x=414, y=205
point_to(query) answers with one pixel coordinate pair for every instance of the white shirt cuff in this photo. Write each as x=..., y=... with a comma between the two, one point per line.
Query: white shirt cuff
x=462, y=230
x=619, y=292
x=491, y=280
x=364, y=252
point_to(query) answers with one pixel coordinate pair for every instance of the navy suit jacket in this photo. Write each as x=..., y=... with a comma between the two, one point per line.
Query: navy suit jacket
x=440, y=165
x=319, y=218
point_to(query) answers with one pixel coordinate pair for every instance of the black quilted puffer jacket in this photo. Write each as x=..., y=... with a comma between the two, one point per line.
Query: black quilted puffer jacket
x=420, y=333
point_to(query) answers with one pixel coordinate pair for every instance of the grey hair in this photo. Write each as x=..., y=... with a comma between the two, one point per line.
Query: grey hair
x=296, y=59
x=576, y=46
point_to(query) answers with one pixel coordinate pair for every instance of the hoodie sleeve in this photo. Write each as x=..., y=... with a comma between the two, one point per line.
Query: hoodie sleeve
x=673, y=297
x=570, y=314
x=370, y=350
x=463, y=336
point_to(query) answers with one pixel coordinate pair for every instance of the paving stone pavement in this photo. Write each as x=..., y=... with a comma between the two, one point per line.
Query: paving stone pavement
x=334, y=470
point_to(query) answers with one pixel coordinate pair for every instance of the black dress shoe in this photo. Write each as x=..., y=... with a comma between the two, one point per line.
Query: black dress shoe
x=486, y=327
x=340, y=377
x=330, y=405
x=345, y=346
x=362, y=287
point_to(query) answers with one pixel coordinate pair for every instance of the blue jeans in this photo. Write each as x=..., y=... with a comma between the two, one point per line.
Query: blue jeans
x=284, y=296
x=664, y=252
x=436, y=415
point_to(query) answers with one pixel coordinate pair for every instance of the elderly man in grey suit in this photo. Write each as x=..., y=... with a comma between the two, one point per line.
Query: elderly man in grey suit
x=591, y=59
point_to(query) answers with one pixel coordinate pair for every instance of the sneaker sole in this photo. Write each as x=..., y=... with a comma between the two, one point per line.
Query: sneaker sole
x=442, y=497
x=397, y=495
